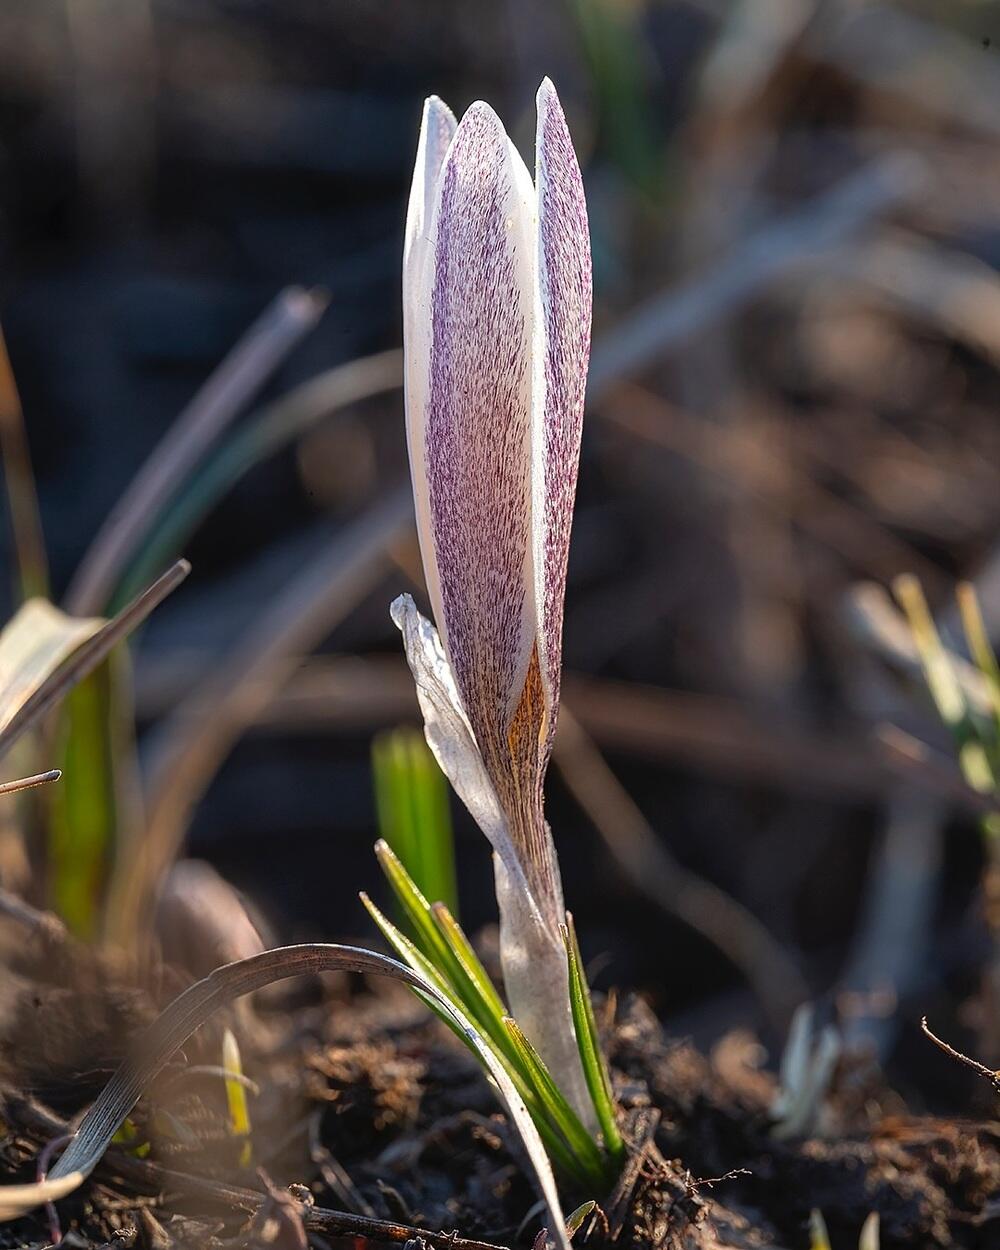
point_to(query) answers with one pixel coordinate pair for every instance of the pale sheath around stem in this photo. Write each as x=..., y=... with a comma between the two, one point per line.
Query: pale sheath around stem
x=496, y=317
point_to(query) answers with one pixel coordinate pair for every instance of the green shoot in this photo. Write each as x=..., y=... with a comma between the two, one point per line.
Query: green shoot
x=429, y=937
x=980, y=647
x=574, y=1221
x=439, y=951
x=410, y=955
x=129, y=1137
x=236, y=1096
x=467, y=957
x=82, y=826
x=977, y=742
x=411, y=799
x=594, y=1068
x=819, y=1238
x=939, y=673
x=556, y=1104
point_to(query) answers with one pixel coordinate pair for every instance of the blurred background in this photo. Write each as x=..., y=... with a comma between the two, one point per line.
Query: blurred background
x=795, y=208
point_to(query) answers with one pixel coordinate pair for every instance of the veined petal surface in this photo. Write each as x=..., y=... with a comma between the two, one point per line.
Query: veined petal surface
x=565, y=287
x=477, y=430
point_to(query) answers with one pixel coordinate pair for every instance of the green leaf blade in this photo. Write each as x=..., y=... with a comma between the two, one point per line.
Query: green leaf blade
x=594, y=1068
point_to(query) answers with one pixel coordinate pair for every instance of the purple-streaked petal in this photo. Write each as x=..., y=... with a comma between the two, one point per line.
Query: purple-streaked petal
x=478, y=426
x=564, y=269
x=437, y=130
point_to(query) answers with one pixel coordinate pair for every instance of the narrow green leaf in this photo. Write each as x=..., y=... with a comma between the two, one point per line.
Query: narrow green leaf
x=83, y=813
x=942, y=682
x=594, y=1068
x=429, y=939
x=432, y=823
x=438, y=956
x=505, y=1053
x=461, y=947
x=556, y=1104
x=407, y=950
x=411, y=801
x=393, y=814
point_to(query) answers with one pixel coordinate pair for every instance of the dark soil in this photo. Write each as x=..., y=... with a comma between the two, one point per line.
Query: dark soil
x=381, y=1125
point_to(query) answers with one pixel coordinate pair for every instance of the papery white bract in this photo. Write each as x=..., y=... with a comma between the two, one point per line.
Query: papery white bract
x=496, y=313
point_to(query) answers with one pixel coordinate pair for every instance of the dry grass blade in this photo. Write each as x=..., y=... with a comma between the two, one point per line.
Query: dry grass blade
x=919, y=765
x=89, y=654
x=653, y=870
x=200, y=733
x=877, y=621
x=34, y=643
x=29, y=783
x=262, y=434
x=43, y=924
x=15, y=1200
x=771, y=252
x=192, y=1008
x=247, y=367
x=22, y=499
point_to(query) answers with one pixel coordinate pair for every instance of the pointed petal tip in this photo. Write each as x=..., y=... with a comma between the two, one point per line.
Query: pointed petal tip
x=400, y=608
x=547, y=101
x=434, y=104
x=479, y=113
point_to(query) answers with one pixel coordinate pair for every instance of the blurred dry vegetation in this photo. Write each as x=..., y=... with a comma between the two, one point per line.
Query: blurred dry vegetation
x=795, y=209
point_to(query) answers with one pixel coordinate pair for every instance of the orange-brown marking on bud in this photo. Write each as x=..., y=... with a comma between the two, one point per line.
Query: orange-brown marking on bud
x=527, y=725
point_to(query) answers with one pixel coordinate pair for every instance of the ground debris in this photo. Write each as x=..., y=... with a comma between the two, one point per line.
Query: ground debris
x=421, y=1148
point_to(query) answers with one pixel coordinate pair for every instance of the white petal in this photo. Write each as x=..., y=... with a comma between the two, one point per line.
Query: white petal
x=437, y=130
x=536, y=979
x=448, y=732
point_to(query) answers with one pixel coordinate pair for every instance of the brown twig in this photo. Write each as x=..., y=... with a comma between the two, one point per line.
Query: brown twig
x=29, y=783
x=980, y=1068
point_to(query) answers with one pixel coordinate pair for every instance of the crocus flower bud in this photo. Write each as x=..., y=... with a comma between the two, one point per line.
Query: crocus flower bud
x=496, y=316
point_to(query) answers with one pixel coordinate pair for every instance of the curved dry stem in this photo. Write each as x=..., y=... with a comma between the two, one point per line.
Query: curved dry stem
x=192, y=1008
x=200, y=733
